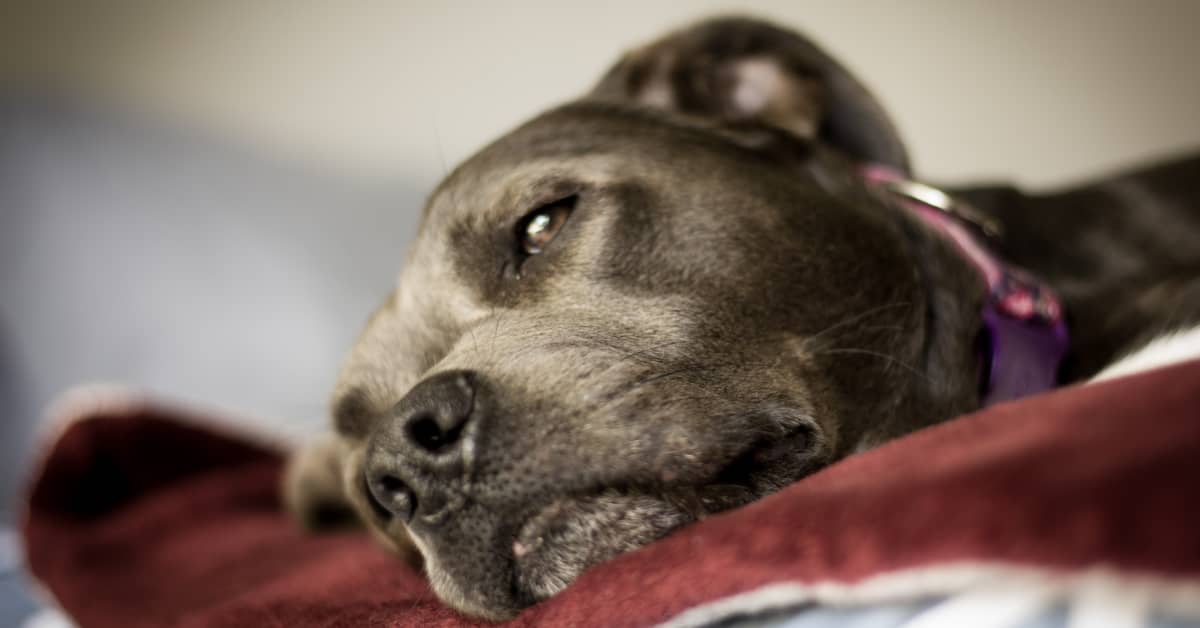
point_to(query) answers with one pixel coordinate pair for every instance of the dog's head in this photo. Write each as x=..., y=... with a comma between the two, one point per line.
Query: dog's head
x=664, y=300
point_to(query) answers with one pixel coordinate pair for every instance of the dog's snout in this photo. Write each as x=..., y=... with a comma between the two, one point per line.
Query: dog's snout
x=416, y=457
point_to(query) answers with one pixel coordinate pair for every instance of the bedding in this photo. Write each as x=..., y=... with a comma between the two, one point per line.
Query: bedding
x=1081, y=505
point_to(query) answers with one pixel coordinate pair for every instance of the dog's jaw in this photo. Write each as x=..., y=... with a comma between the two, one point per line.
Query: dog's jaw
x=534, y=552
x=571, y=534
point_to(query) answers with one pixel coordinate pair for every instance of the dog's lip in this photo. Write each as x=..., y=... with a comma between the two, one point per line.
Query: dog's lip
x=723, y=491
x=571, y=534
x=538, y=527
x=531, y=534
x=727, y=490
x=535, y=528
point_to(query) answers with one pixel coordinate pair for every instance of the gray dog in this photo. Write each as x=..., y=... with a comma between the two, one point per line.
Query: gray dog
x=681, y=292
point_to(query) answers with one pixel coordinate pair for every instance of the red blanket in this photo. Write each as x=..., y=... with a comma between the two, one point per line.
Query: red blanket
x=141, y=519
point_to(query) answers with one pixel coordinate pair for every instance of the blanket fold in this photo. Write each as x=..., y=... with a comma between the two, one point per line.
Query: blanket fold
x=142, y=517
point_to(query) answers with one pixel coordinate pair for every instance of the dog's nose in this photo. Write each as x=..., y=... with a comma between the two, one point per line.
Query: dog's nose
x=435, y=412
x=417, y=454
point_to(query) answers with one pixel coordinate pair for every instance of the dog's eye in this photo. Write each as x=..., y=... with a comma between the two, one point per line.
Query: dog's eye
x=540, y=226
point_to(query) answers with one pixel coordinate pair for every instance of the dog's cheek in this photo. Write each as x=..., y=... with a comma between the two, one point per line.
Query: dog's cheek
x=593, y=532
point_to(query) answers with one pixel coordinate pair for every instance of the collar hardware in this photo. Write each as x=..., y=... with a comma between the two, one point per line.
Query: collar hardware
x=1023, y=321
x=943, y=202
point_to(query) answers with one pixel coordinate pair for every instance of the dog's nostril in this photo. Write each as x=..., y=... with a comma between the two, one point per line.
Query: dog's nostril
x=390, y=496
x=425, y=431
x=433, y=418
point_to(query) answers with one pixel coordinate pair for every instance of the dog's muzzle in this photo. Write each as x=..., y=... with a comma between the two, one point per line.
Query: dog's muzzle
x=417, y=463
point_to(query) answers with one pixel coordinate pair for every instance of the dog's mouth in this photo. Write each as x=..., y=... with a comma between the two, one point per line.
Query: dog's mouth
x=562, y=538
x=570, y=534
x=491, y=559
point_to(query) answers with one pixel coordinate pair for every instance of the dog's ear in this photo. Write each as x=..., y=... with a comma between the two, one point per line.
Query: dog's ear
x=313, y=489
x=738, y=70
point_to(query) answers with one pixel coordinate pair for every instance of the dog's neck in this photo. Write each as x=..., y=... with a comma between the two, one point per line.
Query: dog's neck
x=1120, y=252
x=1024, y=335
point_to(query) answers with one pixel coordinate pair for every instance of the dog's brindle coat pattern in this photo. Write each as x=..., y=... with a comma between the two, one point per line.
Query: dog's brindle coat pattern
x=726, y=309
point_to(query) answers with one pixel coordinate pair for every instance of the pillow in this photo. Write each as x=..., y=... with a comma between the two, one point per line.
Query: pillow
x=146, y=515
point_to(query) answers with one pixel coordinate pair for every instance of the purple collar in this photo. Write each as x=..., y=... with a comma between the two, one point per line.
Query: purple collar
x=1023, y=318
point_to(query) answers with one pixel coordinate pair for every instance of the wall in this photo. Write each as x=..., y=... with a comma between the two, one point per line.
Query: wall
x=1031, y=90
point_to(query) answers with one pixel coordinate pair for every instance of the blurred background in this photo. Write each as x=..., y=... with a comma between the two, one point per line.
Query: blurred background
x=204, y=200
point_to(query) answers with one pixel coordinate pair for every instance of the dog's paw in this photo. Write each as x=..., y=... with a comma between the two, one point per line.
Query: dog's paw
x=315, y=494
x=313, y=490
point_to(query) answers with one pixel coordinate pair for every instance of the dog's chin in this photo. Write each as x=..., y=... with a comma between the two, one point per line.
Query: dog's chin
x=544, y=552
x=570, y=534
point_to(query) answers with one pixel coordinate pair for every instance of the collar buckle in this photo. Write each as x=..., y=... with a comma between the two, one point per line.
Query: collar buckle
x=939, y=200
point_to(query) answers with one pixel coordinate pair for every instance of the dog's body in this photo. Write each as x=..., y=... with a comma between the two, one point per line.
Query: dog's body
x=1124, y=253
x=677, y=295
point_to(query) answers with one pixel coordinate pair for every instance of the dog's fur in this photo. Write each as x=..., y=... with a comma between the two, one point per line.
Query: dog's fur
x=726, y=308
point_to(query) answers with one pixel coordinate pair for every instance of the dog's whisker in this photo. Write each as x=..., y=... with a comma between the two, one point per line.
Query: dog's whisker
x=495, y=330
x=437, y=137
x=882, y=356
x=646, y=352
x=620, y=395
x=684, y=370
x=515, y=356
x=819, y=347
x=474, y=341
x=853, y=319
x=675, y=373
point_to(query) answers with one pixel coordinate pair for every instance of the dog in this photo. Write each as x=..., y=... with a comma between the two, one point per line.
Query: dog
x=698, y=283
